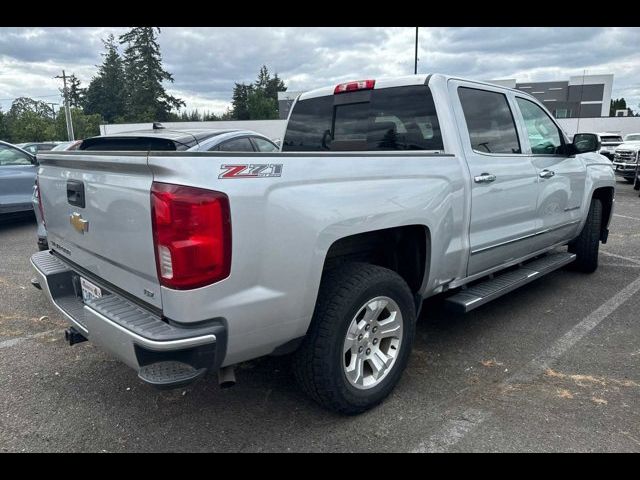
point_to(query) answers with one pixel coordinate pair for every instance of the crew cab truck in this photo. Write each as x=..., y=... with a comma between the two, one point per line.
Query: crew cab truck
x=385, y=192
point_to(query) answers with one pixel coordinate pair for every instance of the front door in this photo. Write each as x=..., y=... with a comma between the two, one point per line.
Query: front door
x=561, y=177
x=504, y=181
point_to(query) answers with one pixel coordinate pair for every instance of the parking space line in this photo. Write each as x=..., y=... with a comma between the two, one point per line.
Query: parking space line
x=16, y=341
x=614, y=255
x=624, y=216
x=452, y=432
x=543, y=361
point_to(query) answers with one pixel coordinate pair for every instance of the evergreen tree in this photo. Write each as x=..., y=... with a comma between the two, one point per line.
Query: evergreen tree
x=261, y=107
x=258, y=101
x=270, y=86
x=145, y=97
x=239, y=101
x=4, y=131
x=105, y=94
x=76, y=93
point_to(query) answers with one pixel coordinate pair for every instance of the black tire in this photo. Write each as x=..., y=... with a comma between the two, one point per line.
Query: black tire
x=636, y=183
x=586, y=245
x=628, y=180
x=318, y=363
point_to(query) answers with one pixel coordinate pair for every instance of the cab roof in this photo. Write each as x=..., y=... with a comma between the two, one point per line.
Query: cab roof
x=402, y=81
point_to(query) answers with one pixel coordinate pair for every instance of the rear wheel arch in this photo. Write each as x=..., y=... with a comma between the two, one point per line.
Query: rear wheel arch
x=404, y=249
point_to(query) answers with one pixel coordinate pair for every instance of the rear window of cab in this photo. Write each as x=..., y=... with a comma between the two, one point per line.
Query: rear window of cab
x=397, y=118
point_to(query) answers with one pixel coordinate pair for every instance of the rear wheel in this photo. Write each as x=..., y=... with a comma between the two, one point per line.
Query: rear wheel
x=359, y=340
x=586, y=245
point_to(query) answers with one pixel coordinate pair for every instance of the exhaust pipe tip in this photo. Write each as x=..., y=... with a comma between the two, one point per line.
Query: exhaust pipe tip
x=226, y=377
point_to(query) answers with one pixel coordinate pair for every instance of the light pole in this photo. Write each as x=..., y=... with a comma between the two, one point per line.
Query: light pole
x=415, y=65
x=67, y=110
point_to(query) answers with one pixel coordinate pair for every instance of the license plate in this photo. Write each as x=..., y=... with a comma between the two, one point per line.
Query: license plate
x=89, y=290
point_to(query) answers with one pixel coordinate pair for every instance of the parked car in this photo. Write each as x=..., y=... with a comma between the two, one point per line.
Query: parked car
x=17, y=176
x=385, y=193
x=632, y=137
x=35, y=147
x=161, y=139
x=609, y=142
x=625, y=159
x=194, y=140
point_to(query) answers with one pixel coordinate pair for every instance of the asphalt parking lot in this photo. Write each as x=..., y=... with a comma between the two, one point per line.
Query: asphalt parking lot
x=554, y=366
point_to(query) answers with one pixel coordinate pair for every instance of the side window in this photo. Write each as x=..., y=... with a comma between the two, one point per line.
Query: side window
x=544, y=136
x=236, y=145
x=489, y=121
x=11, y=156
x=264, y=145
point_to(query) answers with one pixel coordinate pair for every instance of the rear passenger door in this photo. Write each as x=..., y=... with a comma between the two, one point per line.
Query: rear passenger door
x=504, y=181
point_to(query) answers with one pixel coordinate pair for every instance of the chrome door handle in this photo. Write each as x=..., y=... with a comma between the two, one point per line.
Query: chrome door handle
x=546, y=173
x=484, y=178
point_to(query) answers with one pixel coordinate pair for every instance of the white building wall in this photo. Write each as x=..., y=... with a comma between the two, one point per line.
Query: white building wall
x=621, y=125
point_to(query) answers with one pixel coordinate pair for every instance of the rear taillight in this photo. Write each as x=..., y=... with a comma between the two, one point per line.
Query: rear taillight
x=354, y=86
x=39, y=196
x=191, y=235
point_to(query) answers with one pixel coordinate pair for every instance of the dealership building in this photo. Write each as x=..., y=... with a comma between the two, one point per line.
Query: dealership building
x=582, y=96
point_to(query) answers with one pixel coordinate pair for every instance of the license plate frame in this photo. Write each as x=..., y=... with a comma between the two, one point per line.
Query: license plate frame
x=90, y=291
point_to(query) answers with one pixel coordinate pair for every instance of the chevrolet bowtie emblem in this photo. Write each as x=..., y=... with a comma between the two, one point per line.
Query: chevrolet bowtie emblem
x=79, y=223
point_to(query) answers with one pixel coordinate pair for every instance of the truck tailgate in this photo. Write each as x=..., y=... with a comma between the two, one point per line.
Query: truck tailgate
x=98, y=215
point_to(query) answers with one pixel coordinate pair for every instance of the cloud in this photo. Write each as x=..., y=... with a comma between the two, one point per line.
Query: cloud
x=205, y=62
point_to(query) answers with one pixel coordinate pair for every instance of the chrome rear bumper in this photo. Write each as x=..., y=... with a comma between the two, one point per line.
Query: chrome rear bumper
x=135, y=335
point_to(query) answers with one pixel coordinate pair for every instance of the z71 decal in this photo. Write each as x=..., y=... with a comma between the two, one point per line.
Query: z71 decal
x=251, y=171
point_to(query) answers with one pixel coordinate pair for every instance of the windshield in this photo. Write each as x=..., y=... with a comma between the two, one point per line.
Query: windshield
x=632, y=137
x=611, y=139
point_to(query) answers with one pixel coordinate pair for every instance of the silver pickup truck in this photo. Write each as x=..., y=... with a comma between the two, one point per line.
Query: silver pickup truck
x=385, y=192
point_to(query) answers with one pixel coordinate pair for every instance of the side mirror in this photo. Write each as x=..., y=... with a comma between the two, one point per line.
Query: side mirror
x=585, y=142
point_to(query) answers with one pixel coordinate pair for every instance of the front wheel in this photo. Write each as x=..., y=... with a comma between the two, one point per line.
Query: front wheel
x=359, y=340
x=587, y=244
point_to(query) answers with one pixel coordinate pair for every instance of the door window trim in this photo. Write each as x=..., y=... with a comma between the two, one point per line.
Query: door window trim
x=31, y=158
x=563, y=137
x=255, y=144
x=508, y=96
x=248, y=137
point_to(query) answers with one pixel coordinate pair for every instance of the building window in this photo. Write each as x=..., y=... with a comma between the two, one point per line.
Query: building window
x=562, y=113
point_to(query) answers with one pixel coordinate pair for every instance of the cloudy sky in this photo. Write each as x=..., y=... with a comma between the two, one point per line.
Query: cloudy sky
x=205, y=62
